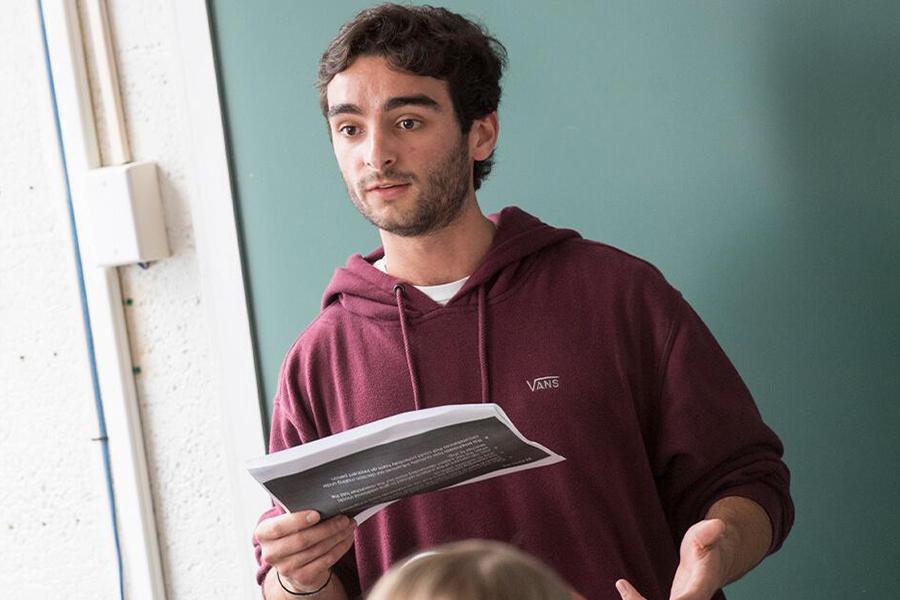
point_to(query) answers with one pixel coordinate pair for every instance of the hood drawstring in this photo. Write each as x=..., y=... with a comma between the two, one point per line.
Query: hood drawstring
x=398, y=292
x=482, y=345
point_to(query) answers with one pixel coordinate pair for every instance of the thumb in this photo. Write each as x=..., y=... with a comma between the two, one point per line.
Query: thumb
x=627, y=591
x=706, y=533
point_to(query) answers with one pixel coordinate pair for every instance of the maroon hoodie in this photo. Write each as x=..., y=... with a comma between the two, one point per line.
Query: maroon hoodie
x=591, y=353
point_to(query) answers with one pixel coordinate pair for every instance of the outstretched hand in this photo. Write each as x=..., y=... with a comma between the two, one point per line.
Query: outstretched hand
x=703, y=566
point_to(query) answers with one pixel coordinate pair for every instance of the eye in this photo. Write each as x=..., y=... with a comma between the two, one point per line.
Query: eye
x=409, y=124
x=348, y=130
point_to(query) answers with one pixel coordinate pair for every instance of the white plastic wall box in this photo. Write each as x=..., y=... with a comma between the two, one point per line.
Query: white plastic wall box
x=125, y=214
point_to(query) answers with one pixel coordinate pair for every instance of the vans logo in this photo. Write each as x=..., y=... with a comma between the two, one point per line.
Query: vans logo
x=543, y=383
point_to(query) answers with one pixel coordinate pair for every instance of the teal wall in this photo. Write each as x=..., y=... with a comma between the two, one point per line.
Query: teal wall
x=751, y=150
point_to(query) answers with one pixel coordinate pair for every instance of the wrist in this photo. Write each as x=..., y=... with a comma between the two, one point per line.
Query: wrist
x=746, y=537
x=292, y=589
x=729, y=543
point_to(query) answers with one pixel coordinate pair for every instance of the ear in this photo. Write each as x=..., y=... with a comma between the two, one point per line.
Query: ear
x=483, y=136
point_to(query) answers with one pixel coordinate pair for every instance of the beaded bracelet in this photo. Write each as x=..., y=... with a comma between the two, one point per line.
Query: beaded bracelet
x=312, y=593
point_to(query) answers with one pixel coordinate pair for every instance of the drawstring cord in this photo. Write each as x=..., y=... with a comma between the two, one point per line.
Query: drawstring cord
x=482, y=347
x=398, y=292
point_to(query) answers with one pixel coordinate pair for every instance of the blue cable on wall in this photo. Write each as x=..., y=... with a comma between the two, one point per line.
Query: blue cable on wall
x=101, y=420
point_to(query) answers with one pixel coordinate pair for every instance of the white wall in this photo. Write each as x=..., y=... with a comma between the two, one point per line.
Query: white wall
x=54, y=522
x=55, y=534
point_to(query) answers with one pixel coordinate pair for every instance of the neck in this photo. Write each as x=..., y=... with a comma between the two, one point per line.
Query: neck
x=443, y=256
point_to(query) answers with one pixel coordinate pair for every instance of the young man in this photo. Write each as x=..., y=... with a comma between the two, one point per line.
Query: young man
x=672, y=482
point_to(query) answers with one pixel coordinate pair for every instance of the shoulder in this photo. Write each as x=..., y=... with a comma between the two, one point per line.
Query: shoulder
x=295, y=413
x=320, y=331
x=610, y=256
x=601, y=265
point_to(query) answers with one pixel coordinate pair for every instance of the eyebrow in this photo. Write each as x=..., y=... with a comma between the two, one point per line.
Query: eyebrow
x=417, y=100
x=343, y=109
x=391, y=104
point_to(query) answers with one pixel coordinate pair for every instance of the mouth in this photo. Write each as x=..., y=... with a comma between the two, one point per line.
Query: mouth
x=385, y=185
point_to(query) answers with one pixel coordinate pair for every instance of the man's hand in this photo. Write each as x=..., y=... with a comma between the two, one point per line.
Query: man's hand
x=302, y=549
x=703, y=567
x=714, y=552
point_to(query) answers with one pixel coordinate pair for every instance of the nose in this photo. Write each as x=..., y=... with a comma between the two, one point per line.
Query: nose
x=379, y=151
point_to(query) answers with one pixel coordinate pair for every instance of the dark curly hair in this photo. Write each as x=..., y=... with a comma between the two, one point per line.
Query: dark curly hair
x=427, y=41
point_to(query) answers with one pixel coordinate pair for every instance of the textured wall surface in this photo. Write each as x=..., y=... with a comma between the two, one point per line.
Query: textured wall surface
x=55, y=530
x=54, y=519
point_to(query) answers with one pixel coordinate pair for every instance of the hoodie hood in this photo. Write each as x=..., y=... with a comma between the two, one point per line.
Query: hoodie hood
x=364, y=290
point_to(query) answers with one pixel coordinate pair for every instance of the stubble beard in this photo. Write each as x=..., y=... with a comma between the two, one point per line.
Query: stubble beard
x=441, y=200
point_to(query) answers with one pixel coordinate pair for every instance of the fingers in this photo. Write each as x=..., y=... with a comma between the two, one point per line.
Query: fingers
x=297, y=540
x=301, y=548
x=294, y=554
x=308, y=573
x=286, y=524
x=627, y=591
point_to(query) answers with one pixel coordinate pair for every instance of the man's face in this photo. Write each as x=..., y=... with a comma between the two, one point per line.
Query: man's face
x=399, y=146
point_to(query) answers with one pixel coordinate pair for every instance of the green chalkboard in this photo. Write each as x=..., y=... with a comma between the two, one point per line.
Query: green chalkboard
x=751, y=150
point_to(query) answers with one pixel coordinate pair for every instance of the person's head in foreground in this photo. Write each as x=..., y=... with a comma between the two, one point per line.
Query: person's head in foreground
x=471, y=570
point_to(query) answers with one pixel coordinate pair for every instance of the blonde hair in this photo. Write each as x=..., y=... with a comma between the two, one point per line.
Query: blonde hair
x=471, y=570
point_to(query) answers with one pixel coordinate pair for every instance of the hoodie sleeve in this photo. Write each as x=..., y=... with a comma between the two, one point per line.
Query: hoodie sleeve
x=710, y=440
x=291, y=427
x=291, y=424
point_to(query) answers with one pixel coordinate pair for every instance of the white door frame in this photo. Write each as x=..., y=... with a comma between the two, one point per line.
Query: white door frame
x=222, y=290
